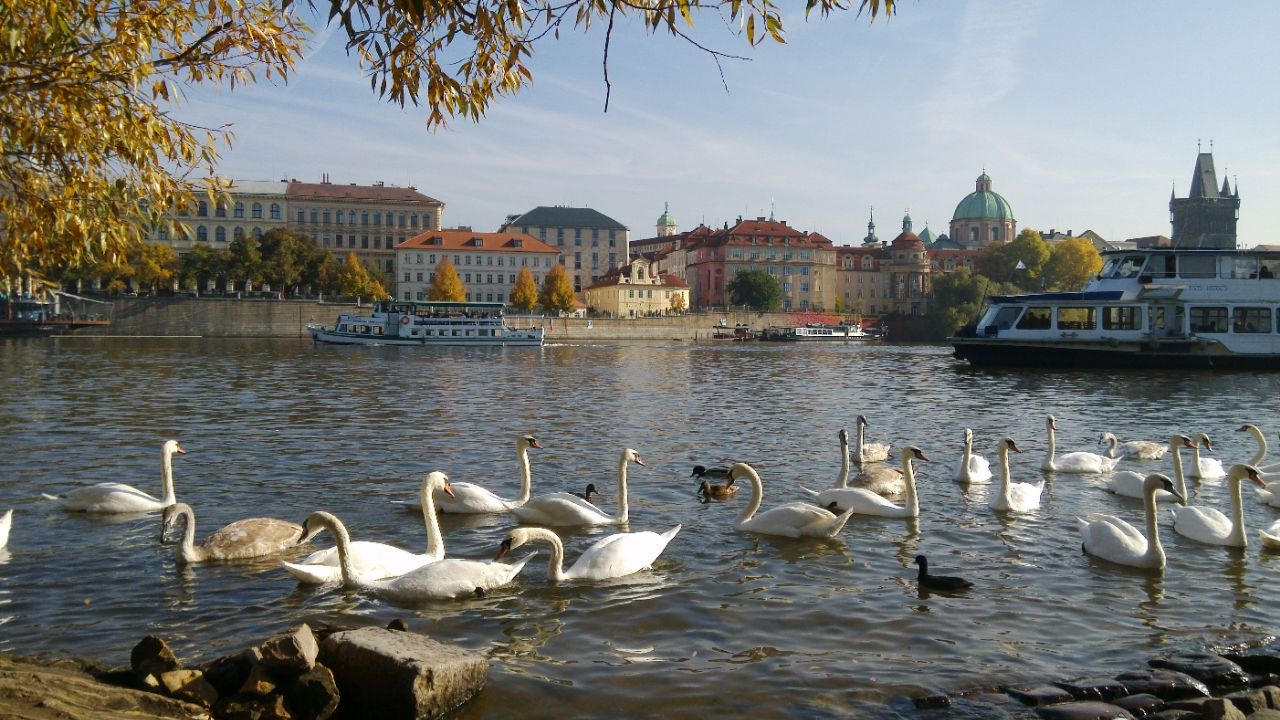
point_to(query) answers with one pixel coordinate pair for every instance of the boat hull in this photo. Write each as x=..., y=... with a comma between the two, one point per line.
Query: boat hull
x=532, y=338
x=1181, y=354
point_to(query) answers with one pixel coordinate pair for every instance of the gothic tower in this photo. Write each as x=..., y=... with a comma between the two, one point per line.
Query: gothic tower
x=1207, y=217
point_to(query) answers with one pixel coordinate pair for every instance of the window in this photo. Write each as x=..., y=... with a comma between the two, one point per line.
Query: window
x=973, y=235
x=315, y=217
x=364, y=242
x=257, y=211
x=995, y=234
x=326, y=217
x=220, y=210
x=202, y=234
x=1197, y=266
x=364, y=217
x=389, y=221
x=1237, y=267
x=239, y=210
x=1121, y=318
x=377, y=218
x=337, y=217
x=220, y=234
x=238, y=233
x=413, y=221
x=1077, y=318
x=419, y=277
x=406, y=277
x=1035, y=318
x=1159, y=266
x=275, y=211
x=202, y=209
x=257, y=233
x=302, y=216
x=401, y=219
x=1251, y=320
x=1209, y=319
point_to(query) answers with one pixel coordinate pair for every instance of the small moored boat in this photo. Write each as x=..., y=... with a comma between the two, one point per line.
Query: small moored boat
x=426, y=323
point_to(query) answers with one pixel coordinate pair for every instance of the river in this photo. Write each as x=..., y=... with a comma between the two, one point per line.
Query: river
x=726, y=621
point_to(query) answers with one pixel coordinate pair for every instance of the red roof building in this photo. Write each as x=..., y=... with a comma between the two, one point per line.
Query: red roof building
x=487, y=263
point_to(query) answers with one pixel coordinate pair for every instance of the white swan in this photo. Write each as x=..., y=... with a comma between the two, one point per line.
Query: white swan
x=471, y=499
x=1261, y=453
x=1208, y=525
x=1271, y=536
x=792, y=520
x=566, y=509
x=1014, y=496
x=439, y=580
x=869, y=452
x=1074, y=462
x=609, y=557
x=861, y=501
x=242, y=539
x=1204, y=468
x=1113, y=539
x=1269, y=496
x=113, y=497
x=6, y=522
x=378, y=560
x=972, y=468
x=1133, y=449
x=1127, y=483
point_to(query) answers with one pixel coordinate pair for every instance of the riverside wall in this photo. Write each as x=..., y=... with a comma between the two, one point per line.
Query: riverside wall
x=258, y=317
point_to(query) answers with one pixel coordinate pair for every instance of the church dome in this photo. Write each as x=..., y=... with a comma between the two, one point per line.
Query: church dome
x=665, y=219
x=907, y=239
x=983, y=204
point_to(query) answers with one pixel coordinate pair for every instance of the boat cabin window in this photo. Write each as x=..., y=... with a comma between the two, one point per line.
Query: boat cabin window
x=1123, y=267
x=1230, y=266
x=1197, y=266
x=1208, y=319
x=1126, y=317
x=1077, y=318
x=1161, y=266
x=1005, y=317
x=1251, y=320
x=1269, y=266
x=1035, y=318
x=377, y=330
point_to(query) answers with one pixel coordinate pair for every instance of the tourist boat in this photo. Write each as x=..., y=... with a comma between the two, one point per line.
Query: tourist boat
x=819, y=331
x=52, y=313
x=426, y=323
x=738, y=333
x=1149, y=308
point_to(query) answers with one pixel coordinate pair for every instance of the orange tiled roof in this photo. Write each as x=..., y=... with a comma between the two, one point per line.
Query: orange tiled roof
x=470, y=240
x=332, y=191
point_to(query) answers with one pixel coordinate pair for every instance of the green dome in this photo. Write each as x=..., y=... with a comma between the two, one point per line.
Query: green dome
x=983, y=204
x=665, y=219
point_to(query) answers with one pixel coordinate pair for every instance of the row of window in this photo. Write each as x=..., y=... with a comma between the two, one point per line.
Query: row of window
x=487, y=279
x=740, y=254
x=467, y=260
x=1192, y=266
x=421, y=296
x=785, y=270
x=1201, y=318
x=219, y=233
x=577, y=236
x=348, y=217
x=202, y=210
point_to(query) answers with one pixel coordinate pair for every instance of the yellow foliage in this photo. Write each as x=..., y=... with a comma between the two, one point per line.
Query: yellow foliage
x=446, y=285
x=556, y=294
x=524, y=296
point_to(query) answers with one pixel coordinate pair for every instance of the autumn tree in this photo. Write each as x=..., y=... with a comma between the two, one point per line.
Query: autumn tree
x=524, y=294
x=356, y=280
x=1072, y=263
x=203, y=264
x=1020, y=262
x=446, y=285
x=756, y=289
x=286, y=258
x=245, y=260
x=677, y=302
x=556, y=294
x=153, y=265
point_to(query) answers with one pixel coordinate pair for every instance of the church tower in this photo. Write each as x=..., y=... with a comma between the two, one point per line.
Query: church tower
x=666, y=223
x=1207, y=217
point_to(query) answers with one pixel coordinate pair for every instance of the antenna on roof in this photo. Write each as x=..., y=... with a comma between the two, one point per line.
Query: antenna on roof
x=1198, y=149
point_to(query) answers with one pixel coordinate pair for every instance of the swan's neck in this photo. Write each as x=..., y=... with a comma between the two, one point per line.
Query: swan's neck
x=843, y=480
x=555, y=564
x=166, y=478
x=187, y=550
x=1112, y=442
x=1259, y=456
x=1004, y=470
x=1195, y=454
x=526, y=477
x=1048, y=460
x=862, y=436
x=435, y=540
x=965, y=459
x=1177, y=472
x=1238, y=538
x=343, y=542
x=1155, y=551
x=757, y=497
x=622, y=489
x=909, y=476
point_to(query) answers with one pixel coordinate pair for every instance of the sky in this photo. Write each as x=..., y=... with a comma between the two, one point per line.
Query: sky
x=1086, y=114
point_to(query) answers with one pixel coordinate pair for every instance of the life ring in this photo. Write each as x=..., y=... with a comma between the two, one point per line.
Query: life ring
x=404, y=320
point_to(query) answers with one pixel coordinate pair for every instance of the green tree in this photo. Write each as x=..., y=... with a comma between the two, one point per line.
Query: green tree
x=245, y=260
x=1020, y=262
x=446, y=285
x=756, y=289
x=556, y=294
x=203, y=264
x=326, y=272
x=1072, y=263
x=153, y=265
x=285, y=258
x=524, y=294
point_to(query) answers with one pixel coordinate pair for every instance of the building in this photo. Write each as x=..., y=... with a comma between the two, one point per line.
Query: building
x=253, y=208
x=1207, y=217
x=666, y=223
x=590, y=243
x=862, y=280
x=487, y=263
x=983, y=217
x=637, y=289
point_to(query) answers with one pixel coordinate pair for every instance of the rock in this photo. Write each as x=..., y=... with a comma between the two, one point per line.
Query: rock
x=189, y=685
x=1164, y=684
x=1273, y=696
x=290, y=655
x=1248, y=701
x=1261, y=680
x=398, y=624
x=152, y=656
x=1089, y=710
x=1140, y=705
x=1263, y=659
x=33, y=689
x=1267, y=714
x=260, y=682
x=1104, y=689
x=1220, y=709
x=1217, y=673
x=248, y=707
x=314, y=694
x=931, y=702
x=1041, y=695
x=1195, y=704
x=389, y=674
x=1175, y=715
x=228, y=673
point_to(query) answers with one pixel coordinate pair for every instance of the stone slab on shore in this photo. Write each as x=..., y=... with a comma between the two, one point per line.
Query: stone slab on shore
x=68, y=690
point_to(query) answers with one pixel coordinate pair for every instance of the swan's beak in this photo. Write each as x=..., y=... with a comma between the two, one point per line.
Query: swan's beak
x=448, y=489
x=535, y=444
x=1254, y=476
x=639, y=461
x=179, y=450
x=503, y=549
x=1014, y=447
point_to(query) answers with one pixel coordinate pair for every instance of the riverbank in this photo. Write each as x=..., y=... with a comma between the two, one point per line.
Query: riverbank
x=269, y=318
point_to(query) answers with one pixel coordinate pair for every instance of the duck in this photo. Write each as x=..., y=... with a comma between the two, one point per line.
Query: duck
x=377, y=560
x=717, y=472
x=1208, y=525
x=441, y=580
x=118, y=498
x=1270, y=537
x=1074, y=462
x=241, y=540
x=565, y=509
x=1132, y=449
x=472, y=499
x=1112, y=539
x=793, y=520
x=972, y=468
x=709, y=492
x=861, y=501
x=6, y=522
x=1127, y=483
x=612, y=556
x=938, y=582
x=1204, y=468
x=1014, y=496
x=588, y=493
x=869, y=452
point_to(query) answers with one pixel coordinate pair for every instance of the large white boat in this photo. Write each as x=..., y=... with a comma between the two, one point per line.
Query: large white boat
x=1149, y=308
x=820, y=331
x=426, y=323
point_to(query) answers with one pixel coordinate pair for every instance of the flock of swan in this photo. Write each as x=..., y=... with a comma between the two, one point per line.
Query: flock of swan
x=401, y=575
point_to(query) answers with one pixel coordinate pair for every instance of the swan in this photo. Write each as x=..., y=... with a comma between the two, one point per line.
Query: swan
x=702, y=471
x=711, y=492
x=792, y=520
x=861, y=501
x=250, y=538
x=378, y=560
x=1129, y=484
x=566, y=509
x=1110, y=538
x=938, y=582
x=869, y=452
x=1204, y=468
x=439, y=580
x=1074, y=462
x=1209, y=525
x=1261, y=453
x=1014, y=496
x=972, y=468
x=609, y=557
x=471, y=499
x=6, y=522
x=1266, y=495
x=120, y=498
x=1133, y=449
x=1271, y=536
